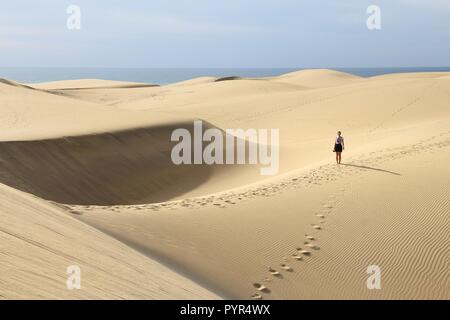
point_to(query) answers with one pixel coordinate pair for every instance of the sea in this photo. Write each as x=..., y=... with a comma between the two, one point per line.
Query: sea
x=164, y=76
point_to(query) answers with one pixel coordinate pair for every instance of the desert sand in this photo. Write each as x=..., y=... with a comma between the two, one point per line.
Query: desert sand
x=87, y=179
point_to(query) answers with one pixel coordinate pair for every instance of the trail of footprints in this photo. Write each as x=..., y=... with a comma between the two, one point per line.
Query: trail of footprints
x=298, y=254
x=310, y=244
x=318, y=176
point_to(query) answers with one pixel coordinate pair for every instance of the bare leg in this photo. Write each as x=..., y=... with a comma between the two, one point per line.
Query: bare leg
x=339, y=157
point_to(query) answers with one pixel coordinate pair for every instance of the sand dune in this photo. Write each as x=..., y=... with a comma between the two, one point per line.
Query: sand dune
x=178, y=94
x=39, y=241
x=126, y=167
x=193, y=81
x=318, y=78
x=411, y=75
x=28, y=114
x=336, y=221
x=89, y=84
x=102, y=152
x=14, y=83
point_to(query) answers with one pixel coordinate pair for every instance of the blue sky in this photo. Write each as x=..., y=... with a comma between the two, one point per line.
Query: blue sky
x=225, y=33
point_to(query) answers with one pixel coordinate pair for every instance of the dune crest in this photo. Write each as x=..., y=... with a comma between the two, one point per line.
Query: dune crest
x=124, y=167
x=318, y=78
x=89, y=84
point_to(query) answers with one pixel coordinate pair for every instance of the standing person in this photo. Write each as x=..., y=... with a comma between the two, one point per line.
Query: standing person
x=338, y=147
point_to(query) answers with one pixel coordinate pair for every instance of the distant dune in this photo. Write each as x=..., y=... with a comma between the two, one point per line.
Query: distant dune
x=198, y=80
x=318, y=78
x=87, y=179
x=89, y=84
x=412, y=75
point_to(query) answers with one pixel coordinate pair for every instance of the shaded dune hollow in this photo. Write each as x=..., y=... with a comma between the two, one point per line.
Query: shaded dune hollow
x=117, y=168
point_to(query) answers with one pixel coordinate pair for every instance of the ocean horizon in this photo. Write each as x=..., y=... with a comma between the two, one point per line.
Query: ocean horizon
x=163, y=76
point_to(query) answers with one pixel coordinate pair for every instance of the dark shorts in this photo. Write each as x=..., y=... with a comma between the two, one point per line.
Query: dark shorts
x=338, y=148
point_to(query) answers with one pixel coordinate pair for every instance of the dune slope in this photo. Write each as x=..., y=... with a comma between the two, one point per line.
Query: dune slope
x=124, y=167
x=39, y=242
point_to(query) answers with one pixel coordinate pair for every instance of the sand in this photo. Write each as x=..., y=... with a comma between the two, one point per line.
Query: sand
x=86, y=166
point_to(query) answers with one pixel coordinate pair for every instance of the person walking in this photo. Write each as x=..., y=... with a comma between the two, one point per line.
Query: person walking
x=338, y=146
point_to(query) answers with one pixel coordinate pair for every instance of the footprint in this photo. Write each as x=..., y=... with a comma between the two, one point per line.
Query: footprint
x=315, y=226
x=309, y=237
x=257, y=296
x=261, y=287
x=267, y=279
x=304, y=252
x=327, y=206
x=297, y=257
x=320, y=215
x=286, y=267
x=312, y=246
x=274, y=272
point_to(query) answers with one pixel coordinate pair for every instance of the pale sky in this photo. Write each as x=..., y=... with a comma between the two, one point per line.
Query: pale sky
x=225, y=33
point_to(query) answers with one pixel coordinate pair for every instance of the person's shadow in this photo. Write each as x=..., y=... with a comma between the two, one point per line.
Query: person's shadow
x=370, y=168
